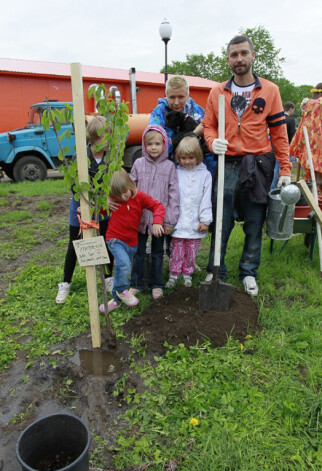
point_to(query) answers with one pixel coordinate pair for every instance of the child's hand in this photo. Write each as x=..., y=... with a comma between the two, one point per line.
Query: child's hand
x=167, y=230
x=202, y=228
x=157, y=230
x=78, y=210
x=112, y=204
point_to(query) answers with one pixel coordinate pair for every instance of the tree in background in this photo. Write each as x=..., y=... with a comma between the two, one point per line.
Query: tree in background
x=199, y=65
x=268, y=64
x=290, y=92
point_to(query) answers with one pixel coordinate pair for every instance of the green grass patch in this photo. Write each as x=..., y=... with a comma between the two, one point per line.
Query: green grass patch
x=20, y=243
x=43, y=206
x=4, y=203
x=37, y=188
x=16, y=216
x=254, y=411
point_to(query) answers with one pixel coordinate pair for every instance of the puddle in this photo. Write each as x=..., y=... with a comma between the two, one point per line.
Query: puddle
x=96, y=363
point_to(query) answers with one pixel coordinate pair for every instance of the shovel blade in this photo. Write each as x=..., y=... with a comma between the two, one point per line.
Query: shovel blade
x=214, y=296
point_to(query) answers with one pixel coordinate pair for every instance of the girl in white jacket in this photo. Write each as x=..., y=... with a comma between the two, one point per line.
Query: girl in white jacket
x=195, y=183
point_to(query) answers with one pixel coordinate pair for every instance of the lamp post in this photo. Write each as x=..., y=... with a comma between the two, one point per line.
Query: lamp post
x=165, y=31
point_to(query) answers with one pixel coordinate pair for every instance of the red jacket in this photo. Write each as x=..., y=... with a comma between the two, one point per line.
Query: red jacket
x=124, y=221
x=249, y=134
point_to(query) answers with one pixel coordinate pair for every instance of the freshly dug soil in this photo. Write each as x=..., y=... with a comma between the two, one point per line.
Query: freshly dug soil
x=176, y=319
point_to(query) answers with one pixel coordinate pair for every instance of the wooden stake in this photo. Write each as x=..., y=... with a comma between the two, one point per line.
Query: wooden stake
x=310, y=199
x=315, y=193
x=80, y=137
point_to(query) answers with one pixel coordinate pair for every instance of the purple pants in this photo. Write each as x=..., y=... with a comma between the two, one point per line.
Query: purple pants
x=183, y=255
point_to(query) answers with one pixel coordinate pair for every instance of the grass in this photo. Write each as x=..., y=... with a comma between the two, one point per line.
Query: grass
x=19, y=232
x=258, y=404
x=29, y=189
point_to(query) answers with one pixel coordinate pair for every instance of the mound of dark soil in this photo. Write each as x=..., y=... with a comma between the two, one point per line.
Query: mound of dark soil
x=176, y=319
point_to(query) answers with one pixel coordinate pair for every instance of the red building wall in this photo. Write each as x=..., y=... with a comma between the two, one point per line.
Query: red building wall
x=19, y=91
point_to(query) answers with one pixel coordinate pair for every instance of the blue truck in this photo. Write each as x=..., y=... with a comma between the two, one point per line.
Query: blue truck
x=27, y=154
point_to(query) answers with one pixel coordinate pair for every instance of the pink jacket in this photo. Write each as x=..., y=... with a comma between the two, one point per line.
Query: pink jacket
x=159, y=180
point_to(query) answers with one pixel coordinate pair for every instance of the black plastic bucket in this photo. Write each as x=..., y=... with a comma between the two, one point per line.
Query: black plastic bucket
x=57, y=442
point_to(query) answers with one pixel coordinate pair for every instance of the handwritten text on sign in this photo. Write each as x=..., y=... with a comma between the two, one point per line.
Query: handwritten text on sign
x=91, y=251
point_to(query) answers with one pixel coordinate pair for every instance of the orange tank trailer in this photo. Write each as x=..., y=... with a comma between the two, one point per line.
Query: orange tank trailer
x=137, y=123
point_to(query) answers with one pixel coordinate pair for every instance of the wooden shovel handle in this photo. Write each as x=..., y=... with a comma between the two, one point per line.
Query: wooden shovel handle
x=220, y=184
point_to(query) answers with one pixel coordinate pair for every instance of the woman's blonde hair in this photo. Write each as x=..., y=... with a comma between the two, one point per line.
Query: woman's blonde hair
x=121, y=183
x=189, y=145
x=97, y=123
x=176, y=81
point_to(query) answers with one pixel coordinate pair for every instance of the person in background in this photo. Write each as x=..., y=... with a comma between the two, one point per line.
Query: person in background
x=95, y=158
x=289, y=109
x=155, y=175
x=251, y=105
x=122, y=233
x=303, y=104
x=195, y=210
x=312, y=119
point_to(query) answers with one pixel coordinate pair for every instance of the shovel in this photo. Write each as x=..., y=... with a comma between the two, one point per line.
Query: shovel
x=215, y=294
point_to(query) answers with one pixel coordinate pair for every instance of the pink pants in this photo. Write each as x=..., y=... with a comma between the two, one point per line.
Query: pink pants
x=182, y=255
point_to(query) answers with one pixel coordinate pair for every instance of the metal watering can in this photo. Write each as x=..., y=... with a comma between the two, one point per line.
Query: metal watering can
x=280, y=213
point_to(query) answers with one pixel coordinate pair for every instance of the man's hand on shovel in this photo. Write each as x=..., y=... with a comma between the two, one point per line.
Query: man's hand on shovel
x=219, y=146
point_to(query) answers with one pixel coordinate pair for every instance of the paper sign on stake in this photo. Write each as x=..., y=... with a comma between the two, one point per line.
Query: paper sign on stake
x=91, y=251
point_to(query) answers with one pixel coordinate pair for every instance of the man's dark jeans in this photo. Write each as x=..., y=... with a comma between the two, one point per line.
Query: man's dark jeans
x=254, y=215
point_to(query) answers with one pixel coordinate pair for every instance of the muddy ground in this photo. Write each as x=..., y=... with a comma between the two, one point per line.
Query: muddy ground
x=175, y=318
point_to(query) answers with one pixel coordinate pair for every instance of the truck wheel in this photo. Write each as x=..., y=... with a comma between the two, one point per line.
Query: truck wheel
x=29, y=168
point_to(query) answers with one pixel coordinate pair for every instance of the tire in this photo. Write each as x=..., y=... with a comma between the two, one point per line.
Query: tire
x=29, y=168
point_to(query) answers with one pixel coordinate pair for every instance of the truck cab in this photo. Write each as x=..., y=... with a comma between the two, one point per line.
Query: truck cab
x=27, y=153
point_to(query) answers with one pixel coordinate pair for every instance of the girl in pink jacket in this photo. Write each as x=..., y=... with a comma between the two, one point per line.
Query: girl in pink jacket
x=155, y=175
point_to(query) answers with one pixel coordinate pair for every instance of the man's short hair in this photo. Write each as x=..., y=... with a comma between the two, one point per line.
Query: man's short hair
x=289, y=105
x=177, y=81
x=238, y=40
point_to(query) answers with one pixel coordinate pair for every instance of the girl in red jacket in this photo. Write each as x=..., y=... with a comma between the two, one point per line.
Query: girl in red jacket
x=122, y=233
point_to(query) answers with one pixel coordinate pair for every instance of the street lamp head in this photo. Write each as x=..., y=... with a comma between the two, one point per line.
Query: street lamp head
x=165, y=30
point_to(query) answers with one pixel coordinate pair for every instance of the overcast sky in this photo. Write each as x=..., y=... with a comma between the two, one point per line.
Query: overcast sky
x=123, y=34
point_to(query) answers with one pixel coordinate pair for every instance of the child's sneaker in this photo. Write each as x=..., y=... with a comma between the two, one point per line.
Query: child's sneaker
x=109, y=284
x=128, y=298
x=134, y=291
x=172, y=281
x=111, y=306
x=187, y=280
x=157, y=293
x=63, y=292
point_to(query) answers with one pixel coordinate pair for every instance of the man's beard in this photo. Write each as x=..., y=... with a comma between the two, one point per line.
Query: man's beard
x=244, y=70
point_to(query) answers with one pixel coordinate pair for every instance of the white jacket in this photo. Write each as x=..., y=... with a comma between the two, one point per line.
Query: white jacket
x=195, y=201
